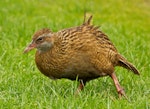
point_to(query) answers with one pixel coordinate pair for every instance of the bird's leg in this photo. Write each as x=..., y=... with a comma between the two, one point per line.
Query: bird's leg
x=120, y=90
x=81, y=86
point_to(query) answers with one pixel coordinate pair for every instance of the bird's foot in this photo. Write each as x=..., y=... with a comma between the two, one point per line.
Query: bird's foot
x=80, y=87
x=121, y=93
x=77, y=92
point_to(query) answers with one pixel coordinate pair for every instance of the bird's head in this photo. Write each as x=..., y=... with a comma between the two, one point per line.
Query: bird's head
x=42, y=40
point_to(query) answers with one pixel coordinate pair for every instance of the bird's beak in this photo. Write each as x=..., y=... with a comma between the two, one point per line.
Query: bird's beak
x=30, y=47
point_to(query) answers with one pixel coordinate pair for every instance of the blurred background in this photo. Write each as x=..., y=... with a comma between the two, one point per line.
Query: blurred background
x=126, y=22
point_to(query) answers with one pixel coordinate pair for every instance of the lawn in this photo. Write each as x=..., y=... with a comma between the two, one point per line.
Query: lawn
x=22, y=86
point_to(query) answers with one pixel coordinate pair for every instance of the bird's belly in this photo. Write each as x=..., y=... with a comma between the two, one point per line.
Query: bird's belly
x=79, y=67
x=85, y=72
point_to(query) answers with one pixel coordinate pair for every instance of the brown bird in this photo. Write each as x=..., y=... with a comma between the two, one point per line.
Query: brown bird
x=83, y=52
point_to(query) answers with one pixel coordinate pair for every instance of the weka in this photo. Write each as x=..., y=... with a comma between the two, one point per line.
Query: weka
x=83, y=52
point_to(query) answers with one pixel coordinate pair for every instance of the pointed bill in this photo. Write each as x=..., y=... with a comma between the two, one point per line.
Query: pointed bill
x=30, y=47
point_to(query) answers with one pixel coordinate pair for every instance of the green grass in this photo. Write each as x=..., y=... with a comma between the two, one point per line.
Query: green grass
x=126, y=22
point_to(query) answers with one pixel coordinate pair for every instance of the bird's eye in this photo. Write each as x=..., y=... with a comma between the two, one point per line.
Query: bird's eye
x=40, y=39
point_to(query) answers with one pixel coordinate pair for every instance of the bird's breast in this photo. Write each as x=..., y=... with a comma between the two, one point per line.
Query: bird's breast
x=49, y=65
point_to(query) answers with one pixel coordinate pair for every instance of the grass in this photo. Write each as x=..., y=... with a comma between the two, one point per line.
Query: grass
x=127, y=23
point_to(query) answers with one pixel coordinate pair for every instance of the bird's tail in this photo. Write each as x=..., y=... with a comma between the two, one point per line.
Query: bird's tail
x=124, y=63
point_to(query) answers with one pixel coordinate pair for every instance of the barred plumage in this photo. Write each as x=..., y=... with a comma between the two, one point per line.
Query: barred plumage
x=82, y=52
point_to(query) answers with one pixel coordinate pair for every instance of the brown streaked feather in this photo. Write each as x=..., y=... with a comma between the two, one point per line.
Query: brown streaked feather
x=41, y=32
x=124, y=63
x=88, y=21
x=83, y=51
